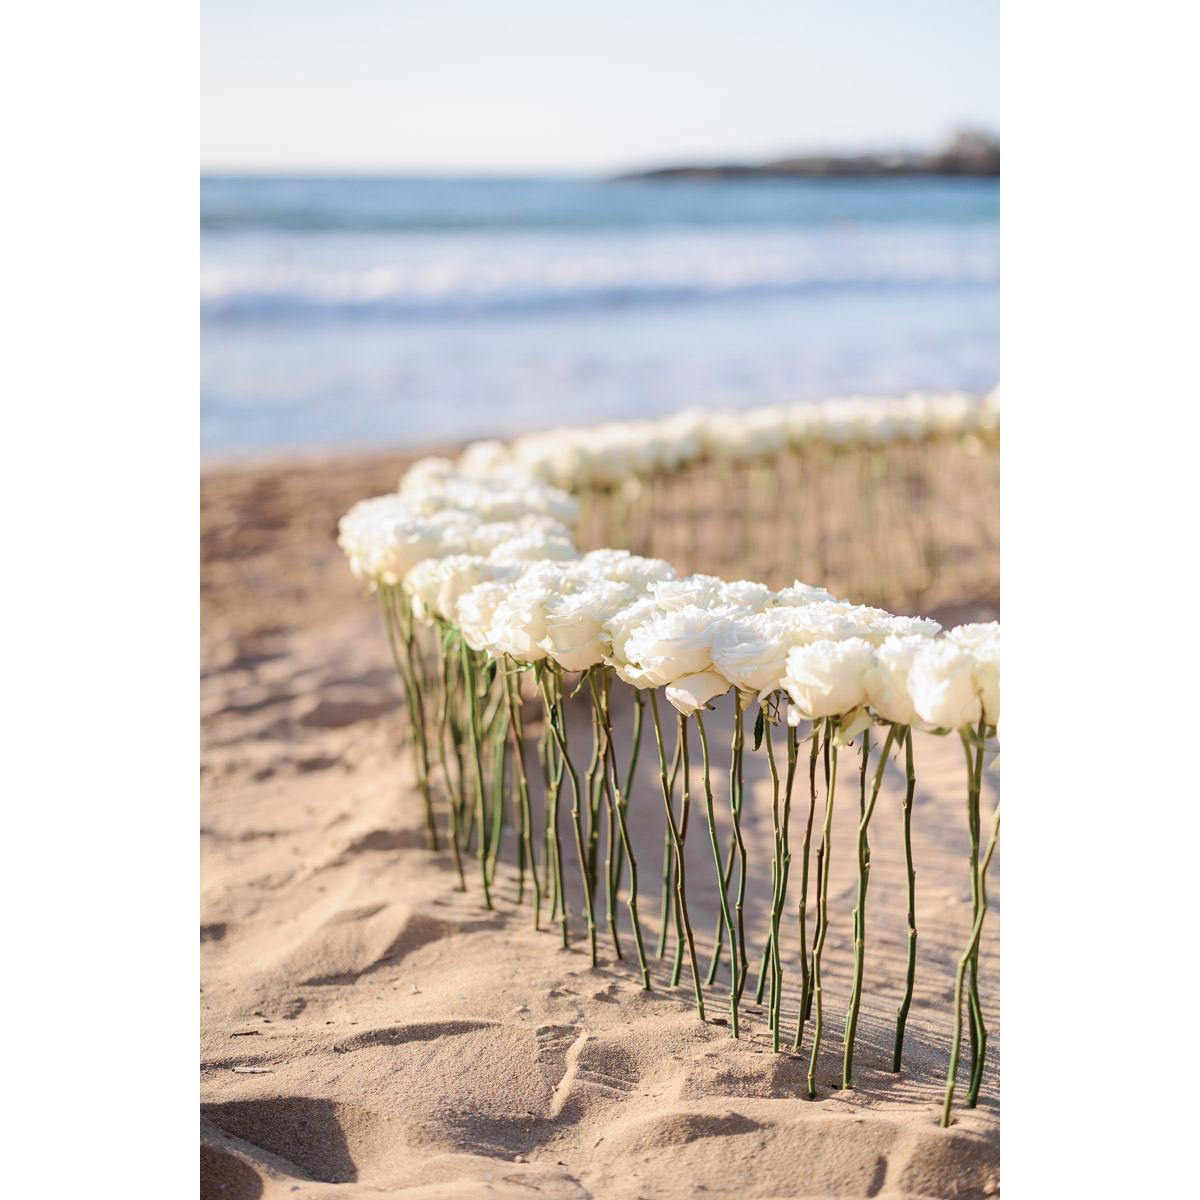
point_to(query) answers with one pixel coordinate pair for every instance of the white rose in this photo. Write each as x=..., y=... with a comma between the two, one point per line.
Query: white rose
x=624, y=567
x=616, y=632
x=519, y=621
x=943, y=687
x=673, y=644
x=575, y=622
x=535, y=547
x=696, y=591
x=802, y=593
x=386, y=536
x=475, y=614
x=983, y=641
x=751, y=652
x=691, y=693
x=825, y=679
x=744, y=593
x=886, y=679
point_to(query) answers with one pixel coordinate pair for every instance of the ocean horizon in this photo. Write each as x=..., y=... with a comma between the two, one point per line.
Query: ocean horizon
x=392, y=311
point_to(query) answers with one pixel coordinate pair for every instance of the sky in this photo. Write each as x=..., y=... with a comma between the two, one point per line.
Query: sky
x=562, y=85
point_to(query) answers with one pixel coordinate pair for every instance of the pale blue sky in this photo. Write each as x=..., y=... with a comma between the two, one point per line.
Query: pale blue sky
x=528, y=85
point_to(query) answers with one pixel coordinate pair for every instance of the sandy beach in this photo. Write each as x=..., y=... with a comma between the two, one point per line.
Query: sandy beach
x=368, y=1029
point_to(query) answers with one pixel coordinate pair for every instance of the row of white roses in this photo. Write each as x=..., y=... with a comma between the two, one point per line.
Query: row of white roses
x=605, y=455
x=501, y=568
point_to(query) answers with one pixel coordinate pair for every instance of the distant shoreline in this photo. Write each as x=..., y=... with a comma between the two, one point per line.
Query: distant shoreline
x=845, y=168
x=969, y=155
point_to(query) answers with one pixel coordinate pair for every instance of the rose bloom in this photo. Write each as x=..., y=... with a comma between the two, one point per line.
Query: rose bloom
x=983, y=641
x=673, y=644
x=825, y=679
x=943, y=687
x=690, y=693
x=624, y=567
x=697, y=591
x=475, y=613
x=575, y=622
x=819, y=622
x=535, y=547
x=437, y=583
x=616, y=632
x=751, y=651
x=745, y=593
x=519, y=621
x=385, y=537
x=802, y=593
x=886, y=678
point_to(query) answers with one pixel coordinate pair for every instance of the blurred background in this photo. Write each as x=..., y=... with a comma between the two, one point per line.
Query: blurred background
x=429, y=222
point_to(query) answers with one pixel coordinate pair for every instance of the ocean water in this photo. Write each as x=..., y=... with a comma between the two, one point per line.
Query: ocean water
x=400, y=311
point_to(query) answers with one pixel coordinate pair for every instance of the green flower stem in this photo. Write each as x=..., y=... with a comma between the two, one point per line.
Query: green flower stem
x=499, y=742
x=453, y=796
x=631, y=771
x=680, y=872
x=558, y=725
x=593, y=790
x=392, y=607
x=620, y=803
x=741, y=966
x=860, y=911
x=764, y=963
x=421, y=684
x=784, y=859
x=473, y=731
x=726, y=877
x=902, y=1012
x=822, y=911
x=805, y=973
x=669, y=869
x=787, y=862
x=555, y=767
x=979, y=1042
x=968, y=954
x=780, y=873
x=526, y=857
x=596, y=685
x=722, y=881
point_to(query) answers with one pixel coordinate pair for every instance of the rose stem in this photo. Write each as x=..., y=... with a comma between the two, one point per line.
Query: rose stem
x=558, y=726
x=512, y=687
x=668, y=868
x=499, y=762
x=592, y=790
x=595, y=683
x=735, y=797
x=684, y=813
x=680, y=893
x=477, y=759
x=454, y=798
x=553, y=795
x=976, y=1009
x=902, y=1012
x=390, y=606
x=860, y=912
x=620, y=803
x=822, y=911
x=780, y=882
x=787, y=867
x=805, y=975
x=972, y=947
x=639, y=709
x=722, y=882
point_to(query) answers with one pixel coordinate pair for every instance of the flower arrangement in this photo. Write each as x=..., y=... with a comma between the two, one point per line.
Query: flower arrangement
x=483, y=589
x=908, y=483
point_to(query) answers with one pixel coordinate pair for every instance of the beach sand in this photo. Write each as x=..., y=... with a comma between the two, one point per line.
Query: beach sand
x=368, y=1029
